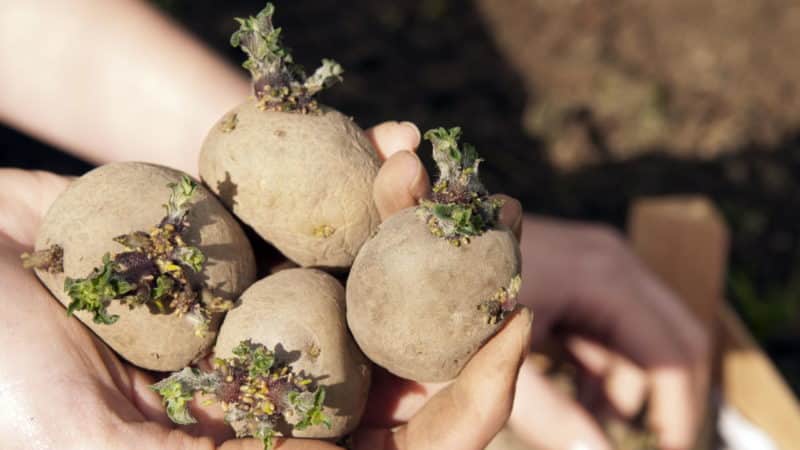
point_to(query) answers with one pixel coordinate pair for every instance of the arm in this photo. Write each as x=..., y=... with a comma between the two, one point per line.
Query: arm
x=111, y=80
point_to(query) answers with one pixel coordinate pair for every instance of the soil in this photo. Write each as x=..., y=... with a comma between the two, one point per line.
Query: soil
x=693, y=78
x=578, y=107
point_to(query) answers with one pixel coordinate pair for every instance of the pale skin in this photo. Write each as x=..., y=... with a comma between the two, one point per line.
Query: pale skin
x=147, y=77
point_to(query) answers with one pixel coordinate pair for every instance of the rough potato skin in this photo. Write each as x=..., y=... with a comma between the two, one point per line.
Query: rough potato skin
x=412, y=298
x=302, y=312
x=292, y=177
x=119, y=198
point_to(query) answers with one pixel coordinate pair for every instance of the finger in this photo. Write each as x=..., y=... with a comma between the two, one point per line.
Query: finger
x=626, y=387
x=389, y=138
x=624, y=383
x=675, y=424
x=680, y=387
x=546, y=418
x=401, y=182
x=206, y=410
x=394, y=401
x=25, y=197
x=649, y=339
x=467, y=414
x=511, y=214
x=145, y=399
x=209, y=416
x=692, y=338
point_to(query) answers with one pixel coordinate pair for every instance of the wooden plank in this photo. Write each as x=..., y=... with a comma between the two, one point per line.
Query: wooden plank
x=754, y=386
x=684, y=241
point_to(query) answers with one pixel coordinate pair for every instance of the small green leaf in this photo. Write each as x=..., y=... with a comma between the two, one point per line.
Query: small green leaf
x=309, y=406
x=93, y=293
x=191, y=257
x=178, y=389
x=442, y=211
x=329, y=73
x=164, y=285
x=176, y=394
x=102, y=317
x=243, y=349
x=256, y=357
x=266, y=434
x=181, y=193
x=262, y=362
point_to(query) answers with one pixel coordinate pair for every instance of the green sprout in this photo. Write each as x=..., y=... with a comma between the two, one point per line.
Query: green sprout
x=191, y=257
x=178, y=390
x=152, y=270
x=502, y=302
x=309, y=406
x=278, y=82
x=461, y=207
x=178, y=205
x=266, y=434
x=94, y=292
x=254, y=390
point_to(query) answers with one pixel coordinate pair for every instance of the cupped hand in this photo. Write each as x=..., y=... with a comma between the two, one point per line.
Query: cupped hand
x=635, y=341
x=62, y=388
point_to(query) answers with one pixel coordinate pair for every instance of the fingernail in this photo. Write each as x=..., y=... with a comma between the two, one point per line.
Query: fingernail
x=512, y=208
x=413, y=128
x=413, y=170
x=528, y=330
x=528, y=311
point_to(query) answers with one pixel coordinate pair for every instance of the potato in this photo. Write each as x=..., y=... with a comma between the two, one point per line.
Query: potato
x=299, y=173
x=302, y=181
x=300, y=313
x=437, y=280
x=118, y=199
x=413, y=300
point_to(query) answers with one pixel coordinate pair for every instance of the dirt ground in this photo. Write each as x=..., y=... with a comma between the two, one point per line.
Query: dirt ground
x=611, y=79
x=578, y=107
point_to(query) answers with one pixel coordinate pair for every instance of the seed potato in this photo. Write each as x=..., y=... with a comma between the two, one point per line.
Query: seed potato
x=300, y=314
x=302, y=181
x=120, y=198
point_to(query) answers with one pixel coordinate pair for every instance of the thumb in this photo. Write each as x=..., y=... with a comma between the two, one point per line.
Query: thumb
x=468, y=413
x=547, y=419
x=401, y=182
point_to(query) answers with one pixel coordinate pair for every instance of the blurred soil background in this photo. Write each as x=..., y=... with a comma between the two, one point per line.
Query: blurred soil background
x=578, y=108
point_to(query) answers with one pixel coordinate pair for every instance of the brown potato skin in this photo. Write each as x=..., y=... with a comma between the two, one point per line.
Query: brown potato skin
x=123, y=197
x=292, y=174
x=299, y=309
x=412, y=298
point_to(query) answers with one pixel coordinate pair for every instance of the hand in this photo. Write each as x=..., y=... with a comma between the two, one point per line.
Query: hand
x=632, y=336
x=630, y=333
x=65, y=389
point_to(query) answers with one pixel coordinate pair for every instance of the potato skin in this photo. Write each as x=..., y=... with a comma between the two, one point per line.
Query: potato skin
x=303, y=310
x=294, y=178
x=122, y=197
x=412, y=298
